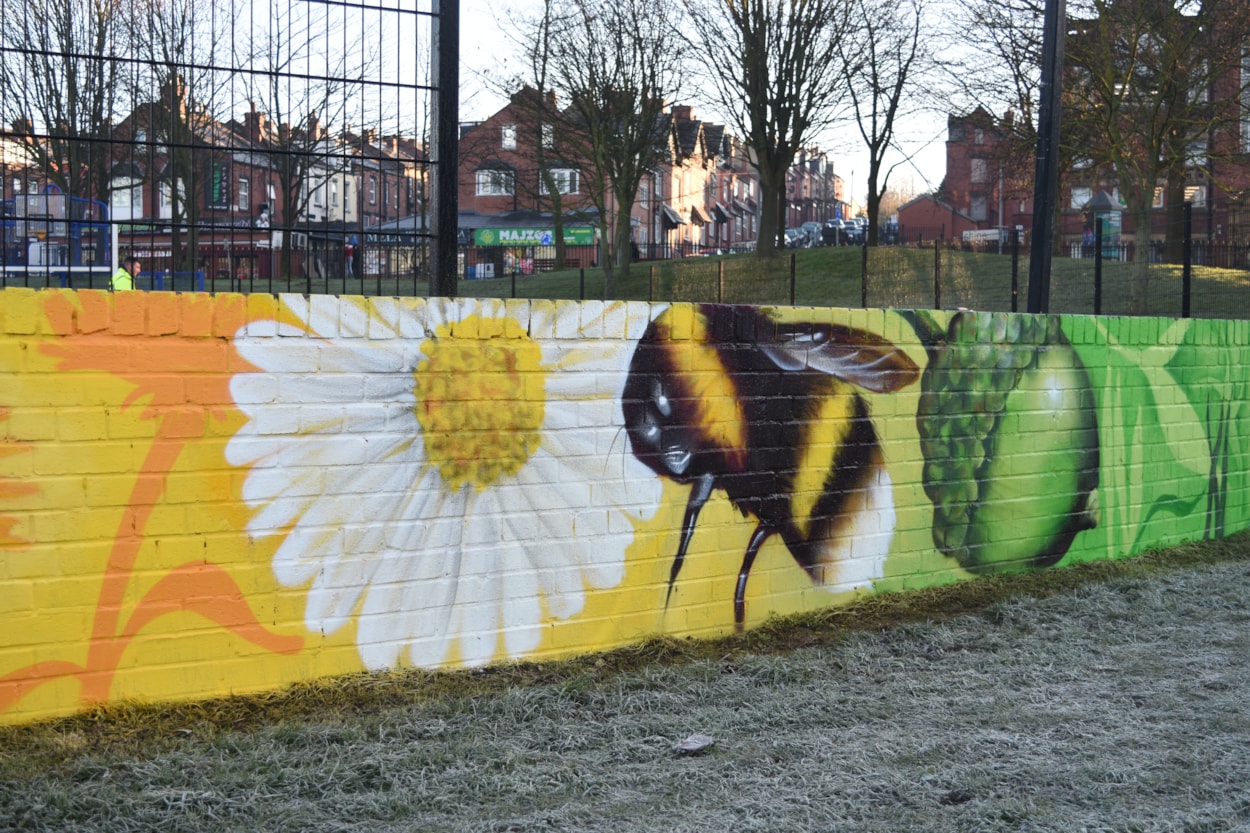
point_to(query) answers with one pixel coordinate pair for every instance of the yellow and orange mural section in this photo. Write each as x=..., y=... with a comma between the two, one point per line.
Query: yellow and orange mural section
x=203, y=495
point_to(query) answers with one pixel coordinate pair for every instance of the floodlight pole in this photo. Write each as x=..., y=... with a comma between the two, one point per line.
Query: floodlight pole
x=1046, y=177
x=444, y=136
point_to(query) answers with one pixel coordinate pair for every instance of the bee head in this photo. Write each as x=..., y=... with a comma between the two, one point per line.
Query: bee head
x=656, y=433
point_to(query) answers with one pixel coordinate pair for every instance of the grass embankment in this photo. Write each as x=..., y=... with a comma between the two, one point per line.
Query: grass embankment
x=897, y=277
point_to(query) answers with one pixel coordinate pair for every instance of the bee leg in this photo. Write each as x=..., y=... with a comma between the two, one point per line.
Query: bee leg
x=758, y=537
x=699, y=493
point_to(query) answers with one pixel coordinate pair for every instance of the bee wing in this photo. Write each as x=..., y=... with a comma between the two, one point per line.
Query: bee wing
x=855, y=356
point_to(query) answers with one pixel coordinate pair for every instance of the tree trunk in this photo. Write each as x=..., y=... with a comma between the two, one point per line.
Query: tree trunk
x=1139, y=291
x=772, y=216
x=605, y=261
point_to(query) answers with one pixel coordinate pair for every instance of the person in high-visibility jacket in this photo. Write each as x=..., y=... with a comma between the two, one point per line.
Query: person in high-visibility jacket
x=124, y=277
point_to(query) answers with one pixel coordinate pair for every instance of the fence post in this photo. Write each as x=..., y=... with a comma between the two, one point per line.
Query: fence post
x=581, y=283
x=1098, y=266
x=937, y=274
x=1015, y=270
x=1187, y=257
x=651, y=285
x=513, y=283
x=863, y=276
x=793, y=281
x=720, y=281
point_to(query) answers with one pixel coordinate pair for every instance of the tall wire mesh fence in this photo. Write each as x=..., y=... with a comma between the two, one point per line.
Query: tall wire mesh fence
x=245, y=145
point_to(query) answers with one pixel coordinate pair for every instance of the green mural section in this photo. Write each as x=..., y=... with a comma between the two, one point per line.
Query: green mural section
x=1070, y=436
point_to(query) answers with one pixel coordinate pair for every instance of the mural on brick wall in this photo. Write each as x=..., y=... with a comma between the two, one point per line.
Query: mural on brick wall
x=1009, y=432
x=451, y=491
x=726, y=398
x=210, y=494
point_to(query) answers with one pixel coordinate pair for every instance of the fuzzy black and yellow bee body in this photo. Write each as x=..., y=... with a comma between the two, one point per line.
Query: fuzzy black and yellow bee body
x=770, y=413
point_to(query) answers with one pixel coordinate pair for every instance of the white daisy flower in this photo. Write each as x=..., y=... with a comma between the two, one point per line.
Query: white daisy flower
x=449, y=474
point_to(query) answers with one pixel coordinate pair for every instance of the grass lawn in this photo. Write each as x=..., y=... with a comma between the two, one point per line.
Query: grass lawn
x=1112, y=696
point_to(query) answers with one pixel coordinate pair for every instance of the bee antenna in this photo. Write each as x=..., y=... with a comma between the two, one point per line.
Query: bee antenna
x=611, y=448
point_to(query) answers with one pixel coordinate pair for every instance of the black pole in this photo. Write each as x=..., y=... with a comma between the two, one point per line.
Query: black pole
x=651, y=284
x=793, y=273
x=863, y=274
x=1187, y=259
x=1098, y=266
x=444, y=131
x=1015, y=270
x=720, y=281
x=1046, y=175
x=937, y=274
x=581, y=283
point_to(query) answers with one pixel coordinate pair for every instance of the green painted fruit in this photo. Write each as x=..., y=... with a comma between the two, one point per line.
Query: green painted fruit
x=1010, y=441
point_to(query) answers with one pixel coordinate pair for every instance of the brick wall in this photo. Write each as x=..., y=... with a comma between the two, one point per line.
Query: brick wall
x=202, y=494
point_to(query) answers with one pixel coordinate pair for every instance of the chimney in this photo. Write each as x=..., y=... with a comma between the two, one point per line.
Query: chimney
x=256, y=124
x=683, y=112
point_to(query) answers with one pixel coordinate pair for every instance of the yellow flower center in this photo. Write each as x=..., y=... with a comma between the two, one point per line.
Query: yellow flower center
x=480, y=404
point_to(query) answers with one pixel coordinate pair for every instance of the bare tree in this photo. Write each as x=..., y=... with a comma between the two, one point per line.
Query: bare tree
x=1002, y=76
x=1140, y=92
x=59, y=76
x=555, y=152
x=617, y=65
x=303, y=87
x=776, y=74
x=882, y=55
x=1003, y=72
x=182, y=42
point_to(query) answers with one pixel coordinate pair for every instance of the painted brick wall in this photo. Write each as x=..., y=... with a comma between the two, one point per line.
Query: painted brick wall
x=202, y=494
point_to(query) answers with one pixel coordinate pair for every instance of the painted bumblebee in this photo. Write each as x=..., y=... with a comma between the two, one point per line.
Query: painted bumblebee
x=725, y=397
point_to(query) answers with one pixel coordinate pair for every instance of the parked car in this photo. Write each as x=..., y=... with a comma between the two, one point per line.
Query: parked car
x=834, y=233
x=812, y=230
x=856, y=229
x=796, y=238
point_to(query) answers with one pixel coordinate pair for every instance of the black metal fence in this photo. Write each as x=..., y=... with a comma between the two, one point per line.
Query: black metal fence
x=249, y=144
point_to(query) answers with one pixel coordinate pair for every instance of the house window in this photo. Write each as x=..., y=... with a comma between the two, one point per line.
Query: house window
x=347, y=197
x=508, y=137
x=1158, y=201
x=244, y=202
x=565, y=180
x=271, y=193
x=978, y=136
x=165, y=205
x=549, y=136
x=495, y=183
x=978, y=173
x=334, y=194
x=976, y=209
x=317, y=197
x=373, y=190
x=1245, y=101
x=1079, y=197
x=17, y=185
